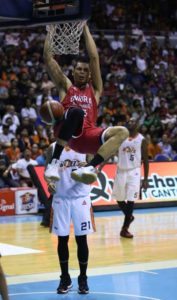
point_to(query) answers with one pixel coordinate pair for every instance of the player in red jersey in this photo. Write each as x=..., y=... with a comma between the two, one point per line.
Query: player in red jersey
x=78, y=127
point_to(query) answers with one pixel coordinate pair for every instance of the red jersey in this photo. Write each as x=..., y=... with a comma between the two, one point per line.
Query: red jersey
x=84, y=99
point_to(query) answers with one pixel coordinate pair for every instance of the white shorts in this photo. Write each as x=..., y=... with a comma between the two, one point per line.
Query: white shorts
x=79, y=211
x=127, y=185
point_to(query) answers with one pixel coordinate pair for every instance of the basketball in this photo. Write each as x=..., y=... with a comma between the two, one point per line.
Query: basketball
x=51, y=111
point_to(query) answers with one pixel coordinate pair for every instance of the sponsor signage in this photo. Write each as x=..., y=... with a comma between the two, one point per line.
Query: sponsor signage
x=18, y=201
x=26, y=201
x=7, y=202
x=162, y=184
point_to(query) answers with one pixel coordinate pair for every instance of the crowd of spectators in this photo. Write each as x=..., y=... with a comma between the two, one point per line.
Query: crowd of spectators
x=140, y=80
x=125, y=15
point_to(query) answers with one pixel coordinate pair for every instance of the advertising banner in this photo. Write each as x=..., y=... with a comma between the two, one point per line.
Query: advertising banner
x=162, y=184
x=7, y=202
x=26, y=201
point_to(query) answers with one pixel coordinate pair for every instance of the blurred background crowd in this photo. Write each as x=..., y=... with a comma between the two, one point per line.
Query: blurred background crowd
x=137, y=44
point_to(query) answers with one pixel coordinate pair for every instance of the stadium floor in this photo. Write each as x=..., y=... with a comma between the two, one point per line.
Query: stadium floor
x=142, y=268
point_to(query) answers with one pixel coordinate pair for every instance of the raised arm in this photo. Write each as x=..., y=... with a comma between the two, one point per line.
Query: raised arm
x=50, y=184
x=94, y=62
x=58, y=77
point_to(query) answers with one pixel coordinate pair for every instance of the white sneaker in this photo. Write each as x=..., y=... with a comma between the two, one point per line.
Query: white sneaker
x=85, y=175
x=51, y=172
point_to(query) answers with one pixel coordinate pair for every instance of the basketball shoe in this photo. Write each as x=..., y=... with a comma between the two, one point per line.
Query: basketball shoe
x=85, y=175
x=125, y=233
x=51, y=172
x=64, y=285
x=82, y=285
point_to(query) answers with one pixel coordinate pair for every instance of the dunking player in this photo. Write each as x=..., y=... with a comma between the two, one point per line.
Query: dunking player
x=126, y=186
x=71, y=200
x=80, y=101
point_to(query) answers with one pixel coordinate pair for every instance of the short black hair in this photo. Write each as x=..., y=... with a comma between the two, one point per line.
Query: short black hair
x=81, y=59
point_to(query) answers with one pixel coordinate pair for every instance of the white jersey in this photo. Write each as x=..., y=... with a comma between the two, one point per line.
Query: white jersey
x=71, y=201
x=66, y=187
x=129, y=155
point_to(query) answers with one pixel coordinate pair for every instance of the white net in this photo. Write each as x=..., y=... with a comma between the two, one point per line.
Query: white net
x=64, y=37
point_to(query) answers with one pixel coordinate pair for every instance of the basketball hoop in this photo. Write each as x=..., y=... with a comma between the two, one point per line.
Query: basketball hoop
x=64, y=37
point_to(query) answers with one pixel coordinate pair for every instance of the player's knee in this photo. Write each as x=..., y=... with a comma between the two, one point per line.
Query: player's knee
x=124, y=132
x=63, y=240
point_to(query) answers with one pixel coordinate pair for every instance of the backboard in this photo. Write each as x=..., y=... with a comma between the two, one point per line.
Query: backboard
x=18, y=13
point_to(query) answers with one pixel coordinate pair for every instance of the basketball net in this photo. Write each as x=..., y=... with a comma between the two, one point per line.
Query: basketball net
x=64, y=37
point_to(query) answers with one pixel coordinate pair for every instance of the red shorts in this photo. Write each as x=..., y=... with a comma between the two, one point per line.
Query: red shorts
x=88, y=142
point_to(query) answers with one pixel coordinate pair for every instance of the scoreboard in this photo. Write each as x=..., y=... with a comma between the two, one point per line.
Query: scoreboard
x=67, y=9
x=18, y=13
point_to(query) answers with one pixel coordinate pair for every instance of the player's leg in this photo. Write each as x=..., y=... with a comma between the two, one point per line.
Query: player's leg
x=71, y=125
x=119, y=193
x=111, y=140
x=127, y=209
x=132, y=194
x=83, y=222
x=61, y=228
x=47, y=212
x=3, y=285
x=63, y=255
x=83, y=255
